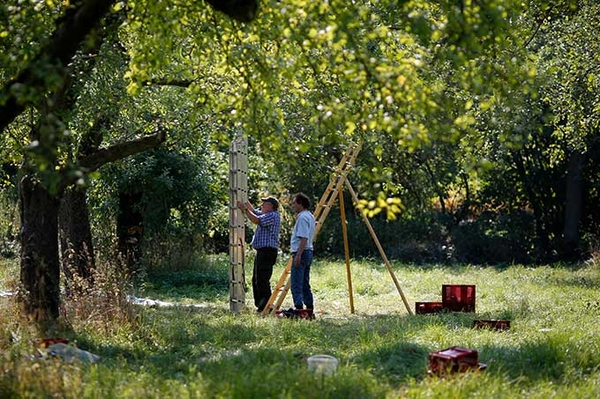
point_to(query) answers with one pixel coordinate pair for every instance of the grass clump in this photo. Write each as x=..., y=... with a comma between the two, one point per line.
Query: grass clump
x=189, y=351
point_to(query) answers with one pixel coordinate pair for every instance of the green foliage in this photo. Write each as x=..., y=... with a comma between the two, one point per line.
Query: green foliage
x=408, y=240
x=174, y=187
x=570, y=73
x=309, y=73
x=495, y=238
x=9, y=221
x=176, y=201
x=23, y=27
x=206, y=351
x=463, y=108
x=492, y=237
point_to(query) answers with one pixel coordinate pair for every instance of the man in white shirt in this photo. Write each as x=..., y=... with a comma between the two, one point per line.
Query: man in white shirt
x=301, y=245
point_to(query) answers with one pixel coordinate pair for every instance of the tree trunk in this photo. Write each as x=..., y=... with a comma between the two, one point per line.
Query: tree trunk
x=538, y=212
x=77, y=251
x=130, y=228
x=573, y=204
x=434, y=183
x=40, y=270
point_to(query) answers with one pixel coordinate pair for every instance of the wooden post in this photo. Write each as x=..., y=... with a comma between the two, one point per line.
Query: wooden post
x=346, y=249
x=238, y=183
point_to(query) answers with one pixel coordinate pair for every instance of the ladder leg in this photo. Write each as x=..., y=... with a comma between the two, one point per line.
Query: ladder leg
x=380, y=248
x=280, y=290
x=346, y=250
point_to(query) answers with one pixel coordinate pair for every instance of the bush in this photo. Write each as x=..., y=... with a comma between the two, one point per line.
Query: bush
x=491, y=238
x=409, y=240
x=495, y=237
x=171, y=195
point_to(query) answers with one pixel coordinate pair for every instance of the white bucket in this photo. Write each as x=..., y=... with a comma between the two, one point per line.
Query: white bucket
x=322, y=364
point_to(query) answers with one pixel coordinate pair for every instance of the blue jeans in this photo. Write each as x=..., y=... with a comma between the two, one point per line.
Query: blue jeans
x=300, y=281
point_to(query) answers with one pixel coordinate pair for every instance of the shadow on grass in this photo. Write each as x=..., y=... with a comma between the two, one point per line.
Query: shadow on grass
x=538, y=361
x=395, y=361
x=253, y=357
x=586, y=282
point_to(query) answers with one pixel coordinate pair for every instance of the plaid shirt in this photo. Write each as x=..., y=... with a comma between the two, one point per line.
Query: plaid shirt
x=267, y=230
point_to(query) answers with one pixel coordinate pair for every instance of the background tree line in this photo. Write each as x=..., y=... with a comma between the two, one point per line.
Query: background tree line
x=479, y=119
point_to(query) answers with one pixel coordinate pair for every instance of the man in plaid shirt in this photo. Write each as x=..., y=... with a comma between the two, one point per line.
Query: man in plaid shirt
x=266, y=243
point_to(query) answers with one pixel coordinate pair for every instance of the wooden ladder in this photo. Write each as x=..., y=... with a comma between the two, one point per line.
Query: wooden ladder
x=322, y=209
x=238, y=191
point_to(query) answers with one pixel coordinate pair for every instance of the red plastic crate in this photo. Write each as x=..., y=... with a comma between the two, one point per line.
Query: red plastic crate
x=46, y=342
x=458, y=298
x=499, y=325
x=428, y=307
x=452, y=360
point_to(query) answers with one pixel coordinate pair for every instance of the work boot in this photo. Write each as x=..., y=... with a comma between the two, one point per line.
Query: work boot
x=306, y=314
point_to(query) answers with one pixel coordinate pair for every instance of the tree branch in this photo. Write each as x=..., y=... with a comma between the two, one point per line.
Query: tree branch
x=537, y=28
x=103, y=156
x=119, y=151
x=70, y=31
x=169, y=82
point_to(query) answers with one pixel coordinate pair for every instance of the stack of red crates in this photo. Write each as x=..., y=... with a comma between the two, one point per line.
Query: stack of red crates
x=458, y=298
x=455, y=298
x=452, y=360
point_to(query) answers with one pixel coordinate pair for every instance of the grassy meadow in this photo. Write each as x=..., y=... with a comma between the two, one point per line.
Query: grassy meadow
x=199, y=349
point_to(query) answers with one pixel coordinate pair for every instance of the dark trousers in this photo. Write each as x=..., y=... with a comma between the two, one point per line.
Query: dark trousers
x=261, y=276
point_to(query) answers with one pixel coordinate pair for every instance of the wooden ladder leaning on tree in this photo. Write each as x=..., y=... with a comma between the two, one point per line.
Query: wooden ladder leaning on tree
x=333, y=191
x=238, y=191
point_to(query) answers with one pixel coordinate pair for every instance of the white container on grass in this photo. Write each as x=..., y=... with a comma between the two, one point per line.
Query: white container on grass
x=322, y=364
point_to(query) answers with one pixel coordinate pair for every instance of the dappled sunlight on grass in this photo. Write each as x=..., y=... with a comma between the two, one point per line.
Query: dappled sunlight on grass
x=551, y=349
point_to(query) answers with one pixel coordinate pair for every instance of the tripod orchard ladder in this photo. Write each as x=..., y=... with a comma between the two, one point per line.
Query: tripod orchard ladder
x=238, y=191
x=321, y=211
x=333, y=190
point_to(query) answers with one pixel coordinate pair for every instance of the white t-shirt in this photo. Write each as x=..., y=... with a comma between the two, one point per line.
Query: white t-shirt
x=304, y=228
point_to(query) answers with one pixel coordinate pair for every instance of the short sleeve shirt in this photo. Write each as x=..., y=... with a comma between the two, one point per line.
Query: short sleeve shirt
x=304, y=228
x=267, y=230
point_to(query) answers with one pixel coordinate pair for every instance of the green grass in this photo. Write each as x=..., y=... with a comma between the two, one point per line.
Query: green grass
x=551, y=350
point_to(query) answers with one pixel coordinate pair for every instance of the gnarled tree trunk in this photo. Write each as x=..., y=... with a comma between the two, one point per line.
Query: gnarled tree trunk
x=40, y=270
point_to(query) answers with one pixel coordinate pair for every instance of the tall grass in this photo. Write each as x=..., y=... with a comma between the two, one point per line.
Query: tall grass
x=551, y=350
